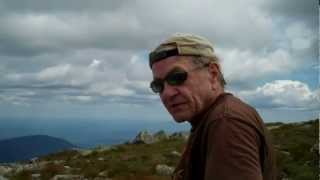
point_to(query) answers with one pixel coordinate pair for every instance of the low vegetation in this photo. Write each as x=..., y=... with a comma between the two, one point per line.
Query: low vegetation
x=296, y=145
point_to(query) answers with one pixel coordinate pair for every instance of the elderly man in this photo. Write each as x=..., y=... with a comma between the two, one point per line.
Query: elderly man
x=228, y=140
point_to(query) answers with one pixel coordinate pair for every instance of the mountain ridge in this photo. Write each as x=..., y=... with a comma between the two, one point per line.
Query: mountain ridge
x=26, y=147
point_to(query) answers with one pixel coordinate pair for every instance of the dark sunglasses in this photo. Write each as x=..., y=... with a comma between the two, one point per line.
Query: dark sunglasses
x=174, y=78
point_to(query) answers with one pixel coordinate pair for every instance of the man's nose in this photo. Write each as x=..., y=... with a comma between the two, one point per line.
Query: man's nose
x=168, y=91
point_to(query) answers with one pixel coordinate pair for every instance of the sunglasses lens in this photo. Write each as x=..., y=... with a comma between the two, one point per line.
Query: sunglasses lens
x=156, y=86
x=173, y=79
x=177, y=78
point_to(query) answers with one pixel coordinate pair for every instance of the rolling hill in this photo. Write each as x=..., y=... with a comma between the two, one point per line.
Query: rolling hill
x=26, y=147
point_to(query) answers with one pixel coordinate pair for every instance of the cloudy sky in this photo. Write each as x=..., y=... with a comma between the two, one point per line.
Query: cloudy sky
x=88, y=59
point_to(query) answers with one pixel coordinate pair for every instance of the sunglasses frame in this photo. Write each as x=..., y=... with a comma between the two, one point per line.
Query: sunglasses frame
x=157, y=85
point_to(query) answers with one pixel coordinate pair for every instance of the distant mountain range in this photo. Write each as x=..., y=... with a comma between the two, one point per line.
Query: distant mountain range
x=85, y=133
x=27, y=147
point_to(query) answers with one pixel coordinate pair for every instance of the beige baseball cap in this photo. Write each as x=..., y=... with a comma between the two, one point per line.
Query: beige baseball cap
x=182, y=44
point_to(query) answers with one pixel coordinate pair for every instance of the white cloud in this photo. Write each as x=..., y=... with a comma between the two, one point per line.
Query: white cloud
x=284, y=94
x=83, y=99
x=17, y=97
x=245, y=65
x=138, y=69
x=95, y=63
x=109, y=89
x=58, y=72
x=77, y=74
x=87, y=82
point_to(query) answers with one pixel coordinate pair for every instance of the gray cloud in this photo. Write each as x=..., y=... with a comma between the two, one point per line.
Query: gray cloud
x=59, y=6
x=293, y=10
x=96, y=52
x=83, y=82
x=137, y=25
x=30, y=35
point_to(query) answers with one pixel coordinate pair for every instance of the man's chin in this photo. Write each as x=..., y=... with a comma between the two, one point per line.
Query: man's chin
x=180, y=118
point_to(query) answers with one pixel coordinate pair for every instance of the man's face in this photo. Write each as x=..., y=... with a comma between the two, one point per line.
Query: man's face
x=190, y=98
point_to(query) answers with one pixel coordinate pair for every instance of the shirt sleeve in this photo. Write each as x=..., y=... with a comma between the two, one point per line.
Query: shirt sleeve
x=232, y=151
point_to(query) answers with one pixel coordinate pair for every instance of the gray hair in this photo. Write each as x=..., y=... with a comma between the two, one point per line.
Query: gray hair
x=200, y=60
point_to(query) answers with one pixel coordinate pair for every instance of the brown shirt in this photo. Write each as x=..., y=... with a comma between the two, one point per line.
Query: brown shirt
x=227, y=142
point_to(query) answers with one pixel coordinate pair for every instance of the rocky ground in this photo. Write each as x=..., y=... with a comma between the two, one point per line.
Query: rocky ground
x=153, y=157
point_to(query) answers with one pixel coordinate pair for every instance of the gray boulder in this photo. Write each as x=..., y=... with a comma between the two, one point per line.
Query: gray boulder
x=36, y=176
x=4, y=170
x=315, y=148
x=164, y=170
x=85, y=152
x=102, y=148
x=67, y=177
x=3, y=178
x=101, y=159
x=144, y=137
x=103, y=174
x=176, y=154
x=33, y=160
x=180, y=135
x=18, y=168
x=102, y=178
x=160, y=135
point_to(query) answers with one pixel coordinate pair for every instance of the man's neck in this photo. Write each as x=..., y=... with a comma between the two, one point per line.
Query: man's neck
x=195, y=120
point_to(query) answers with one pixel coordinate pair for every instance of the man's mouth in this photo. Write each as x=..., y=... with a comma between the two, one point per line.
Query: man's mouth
x=174, y=106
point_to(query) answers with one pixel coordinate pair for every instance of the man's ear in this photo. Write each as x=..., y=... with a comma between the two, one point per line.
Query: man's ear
x=214, y=70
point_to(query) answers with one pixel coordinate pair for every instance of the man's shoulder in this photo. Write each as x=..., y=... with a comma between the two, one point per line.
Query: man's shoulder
x=231, y=107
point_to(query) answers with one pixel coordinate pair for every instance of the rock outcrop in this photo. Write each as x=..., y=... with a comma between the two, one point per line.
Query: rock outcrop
x=67, y=177
x=164, y=170
x=180, y=135
x=3, y=178
x=144, y=137
x=160, y=135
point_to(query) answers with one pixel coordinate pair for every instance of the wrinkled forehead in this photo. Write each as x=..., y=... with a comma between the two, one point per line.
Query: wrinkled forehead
x=161, y=68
